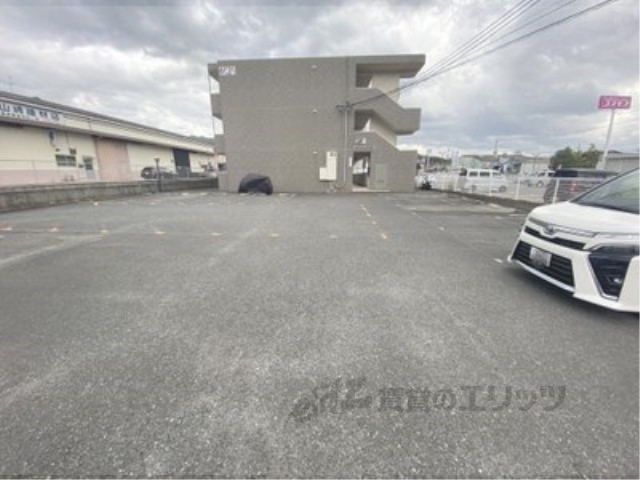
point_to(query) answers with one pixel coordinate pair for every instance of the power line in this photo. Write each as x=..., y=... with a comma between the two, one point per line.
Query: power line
x=525, y=36
x=450, y=62
x=475, y=42
x=523, y=26
x=470, y=46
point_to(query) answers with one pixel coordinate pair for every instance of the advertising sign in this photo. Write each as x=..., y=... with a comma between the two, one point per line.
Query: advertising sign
x=614, y=101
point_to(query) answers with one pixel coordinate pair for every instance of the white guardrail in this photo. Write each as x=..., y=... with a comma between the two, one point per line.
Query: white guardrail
x=517, y=187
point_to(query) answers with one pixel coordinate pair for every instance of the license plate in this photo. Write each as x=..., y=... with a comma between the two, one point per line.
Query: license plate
x=539, y=258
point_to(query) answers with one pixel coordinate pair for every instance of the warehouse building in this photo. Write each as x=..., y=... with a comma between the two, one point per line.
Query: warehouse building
x=316, y=124
x=43, y=142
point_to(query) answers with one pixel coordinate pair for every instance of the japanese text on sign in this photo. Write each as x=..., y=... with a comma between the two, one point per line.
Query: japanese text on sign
x=28, y=112
x=614, y=101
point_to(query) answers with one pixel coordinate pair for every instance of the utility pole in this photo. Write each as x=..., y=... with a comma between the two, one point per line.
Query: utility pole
x=158, y=176
x=605, y=151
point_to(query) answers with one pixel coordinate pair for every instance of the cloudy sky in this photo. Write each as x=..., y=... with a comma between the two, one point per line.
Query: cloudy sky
x=147, y=61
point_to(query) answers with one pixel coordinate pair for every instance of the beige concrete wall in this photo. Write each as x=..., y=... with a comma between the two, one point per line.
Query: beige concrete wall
x=199, y=159
x=386, y=83
x=280, y=119
x=398, y=167
x=28, y=155
x=375, y=126
x=25, y=144
x=141, y=156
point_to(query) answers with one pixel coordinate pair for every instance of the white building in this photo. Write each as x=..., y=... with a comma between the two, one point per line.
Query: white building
x=44, y=142
x=621, y=162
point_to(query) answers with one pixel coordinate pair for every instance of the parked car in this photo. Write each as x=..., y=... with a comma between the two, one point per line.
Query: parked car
x=588, y=246
x=425, y=181
x=540, y=179
x=566, y=183
x=209, y=173
x=255, y=183
x=482, y=180
x=149, y=173
x=204, y=174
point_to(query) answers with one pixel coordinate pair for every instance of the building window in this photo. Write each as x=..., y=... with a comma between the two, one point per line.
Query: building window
x=65, y=160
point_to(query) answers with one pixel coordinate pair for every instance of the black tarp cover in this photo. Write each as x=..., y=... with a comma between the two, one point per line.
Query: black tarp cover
x=255, y=183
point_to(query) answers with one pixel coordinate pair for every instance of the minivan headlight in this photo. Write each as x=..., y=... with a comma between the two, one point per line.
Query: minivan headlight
x=630, y=250
x=610, y=264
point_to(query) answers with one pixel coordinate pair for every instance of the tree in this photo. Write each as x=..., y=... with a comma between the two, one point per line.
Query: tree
x=590, y=157
x=564, y=158
x=575, y=159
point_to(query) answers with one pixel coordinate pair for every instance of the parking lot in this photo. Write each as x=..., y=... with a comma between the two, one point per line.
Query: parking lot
x=207, y=334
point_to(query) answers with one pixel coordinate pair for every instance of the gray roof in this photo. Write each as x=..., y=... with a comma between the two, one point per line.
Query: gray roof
x=39, y=102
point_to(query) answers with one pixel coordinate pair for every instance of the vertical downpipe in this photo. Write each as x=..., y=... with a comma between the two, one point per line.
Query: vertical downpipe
x=345, y=111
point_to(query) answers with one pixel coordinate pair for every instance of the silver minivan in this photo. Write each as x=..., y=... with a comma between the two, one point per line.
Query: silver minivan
x=482, y=180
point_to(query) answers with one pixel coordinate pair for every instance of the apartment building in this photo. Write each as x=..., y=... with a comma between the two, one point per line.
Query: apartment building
x=42, y=142
x=325, y=124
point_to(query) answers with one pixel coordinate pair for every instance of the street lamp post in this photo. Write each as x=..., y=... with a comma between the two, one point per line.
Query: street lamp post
x=158, y=181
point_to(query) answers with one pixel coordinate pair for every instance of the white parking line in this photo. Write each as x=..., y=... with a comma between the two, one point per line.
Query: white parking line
x=67, y=244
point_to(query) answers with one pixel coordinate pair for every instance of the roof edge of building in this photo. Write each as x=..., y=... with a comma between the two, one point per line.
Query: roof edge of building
x=39, y=102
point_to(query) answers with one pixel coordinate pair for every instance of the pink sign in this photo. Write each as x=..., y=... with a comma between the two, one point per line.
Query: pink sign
x=614, y=101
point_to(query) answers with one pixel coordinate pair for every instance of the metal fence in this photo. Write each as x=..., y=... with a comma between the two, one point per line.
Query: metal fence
x=518, y=187
x=43, y=172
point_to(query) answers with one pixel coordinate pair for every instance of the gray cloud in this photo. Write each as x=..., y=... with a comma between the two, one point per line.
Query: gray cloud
x=146, y=61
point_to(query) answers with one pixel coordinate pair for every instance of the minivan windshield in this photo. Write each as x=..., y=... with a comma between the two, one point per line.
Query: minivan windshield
x=620, y=193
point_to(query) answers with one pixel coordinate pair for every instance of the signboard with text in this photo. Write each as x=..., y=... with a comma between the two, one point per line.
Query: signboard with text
x=614, y=101
x=27, y=112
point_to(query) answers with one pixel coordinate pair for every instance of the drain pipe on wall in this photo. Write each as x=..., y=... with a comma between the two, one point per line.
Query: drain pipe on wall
x=344, y=109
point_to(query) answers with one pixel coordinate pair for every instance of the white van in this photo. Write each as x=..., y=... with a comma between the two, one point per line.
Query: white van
x=539, y=180
x=482, y=180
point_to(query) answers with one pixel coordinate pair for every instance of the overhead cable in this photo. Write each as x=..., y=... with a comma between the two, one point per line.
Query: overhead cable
x=456, y=60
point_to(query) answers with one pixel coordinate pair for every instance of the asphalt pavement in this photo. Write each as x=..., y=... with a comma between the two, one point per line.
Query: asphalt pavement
x=205, y=334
